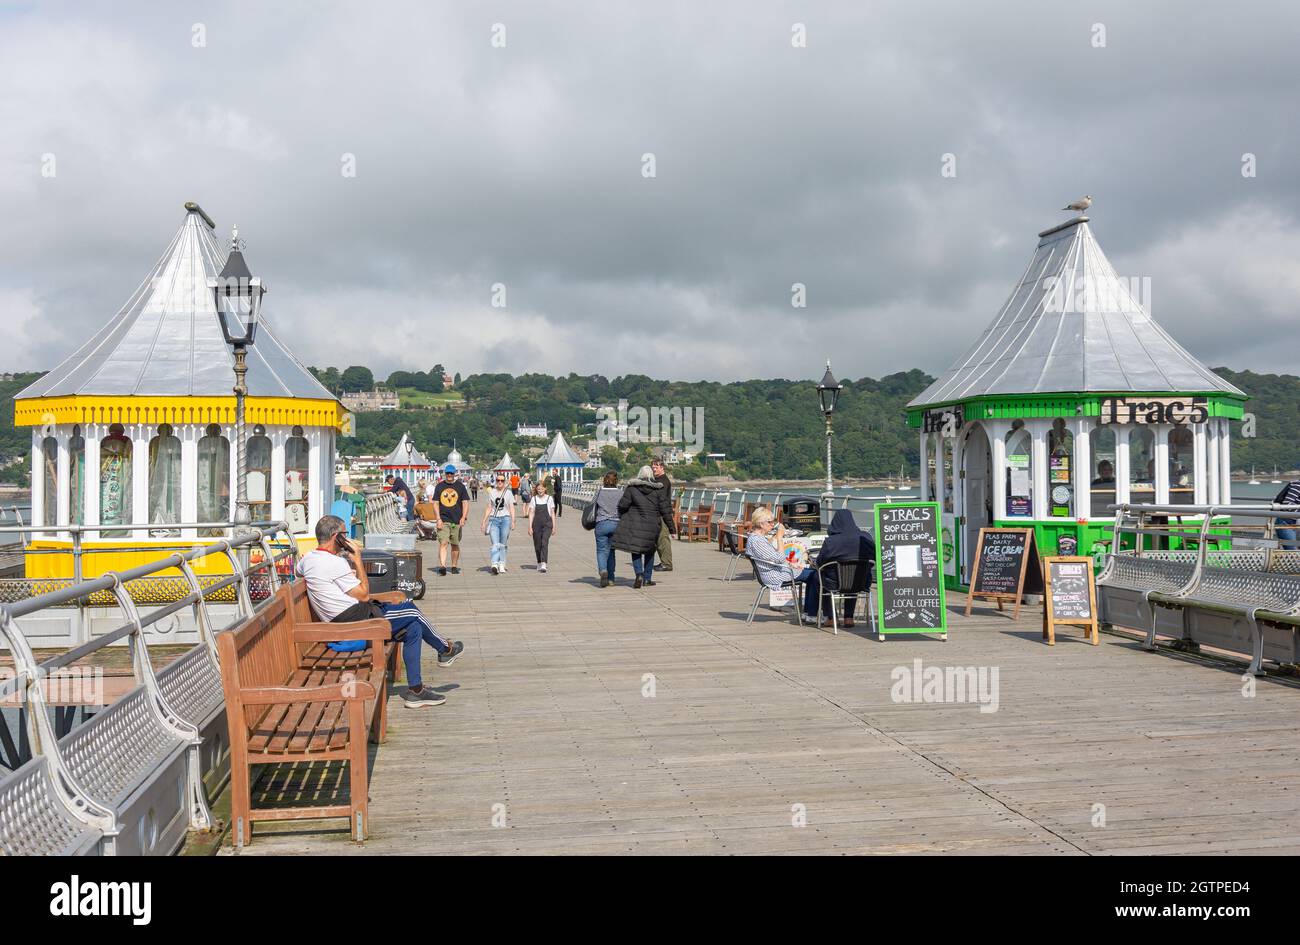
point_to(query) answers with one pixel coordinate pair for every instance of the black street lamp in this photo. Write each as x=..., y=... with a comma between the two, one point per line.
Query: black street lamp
x=828, y=392
x=237, y=295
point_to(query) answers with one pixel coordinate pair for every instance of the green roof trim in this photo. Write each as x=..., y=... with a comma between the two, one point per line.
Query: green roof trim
x=1026, y=406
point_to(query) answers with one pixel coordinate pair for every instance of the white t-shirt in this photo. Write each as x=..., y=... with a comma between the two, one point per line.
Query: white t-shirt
x=328, y=578
x=547, y=501
x=500, y=502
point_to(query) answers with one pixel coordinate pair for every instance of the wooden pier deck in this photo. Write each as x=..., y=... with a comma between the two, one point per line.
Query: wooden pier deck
x=548, y=744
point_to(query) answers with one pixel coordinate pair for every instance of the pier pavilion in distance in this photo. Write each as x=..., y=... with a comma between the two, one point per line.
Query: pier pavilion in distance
x=1073, y=399
x=134, y=430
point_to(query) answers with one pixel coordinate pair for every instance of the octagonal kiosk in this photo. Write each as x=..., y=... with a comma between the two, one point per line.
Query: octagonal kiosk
x=134, y=432
x=1072, y=400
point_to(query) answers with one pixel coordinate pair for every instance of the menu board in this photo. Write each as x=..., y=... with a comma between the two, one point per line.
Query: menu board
x=1070, y=596
x=909, y=565
x=1006, y=567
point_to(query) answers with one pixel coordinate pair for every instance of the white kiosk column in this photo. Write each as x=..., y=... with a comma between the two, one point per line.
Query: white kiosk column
x=1083, y=469
x=189, y=477
x=1225, y=460
x=316, y=494
x=93, y=435
x=1122, y=472
x=139, y=479
x=277, y=435
x=1161, y=440
x=1038, y=431
x=925, y=465
x=997, y=431
x=1210, y=432
x=63, y=482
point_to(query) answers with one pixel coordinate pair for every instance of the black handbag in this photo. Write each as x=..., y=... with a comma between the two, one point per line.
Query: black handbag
x=589, y=513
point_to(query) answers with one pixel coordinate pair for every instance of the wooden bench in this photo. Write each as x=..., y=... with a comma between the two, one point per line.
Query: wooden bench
x=289, y=698
x=695, y=525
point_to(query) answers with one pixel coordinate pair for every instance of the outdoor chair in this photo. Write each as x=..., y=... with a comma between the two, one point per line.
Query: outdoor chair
x=732, y=541
x=796, y=587
x=852, y=579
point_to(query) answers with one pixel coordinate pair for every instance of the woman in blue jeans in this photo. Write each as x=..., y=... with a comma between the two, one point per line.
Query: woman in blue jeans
x=498, y=519
x=607, y=497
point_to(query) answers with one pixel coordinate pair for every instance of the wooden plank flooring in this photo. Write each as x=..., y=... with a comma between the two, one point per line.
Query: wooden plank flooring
x=548, y=745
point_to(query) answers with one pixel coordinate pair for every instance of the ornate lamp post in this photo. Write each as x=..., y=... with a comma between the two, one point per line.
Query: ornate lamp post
x=828, y=391
x=237, y=294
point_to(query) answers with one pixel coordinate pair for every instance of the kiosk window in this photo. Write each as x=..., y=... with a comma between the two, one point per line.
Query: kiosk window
x=164, y=480
x=214, y=479
x=1103, y=472
x=1182, y=466
x=1141, y=465
x=1019, y=472
x=257, y=456
x=1060, y=470
x=115, y=493
x=50, y=480
x=76, y=477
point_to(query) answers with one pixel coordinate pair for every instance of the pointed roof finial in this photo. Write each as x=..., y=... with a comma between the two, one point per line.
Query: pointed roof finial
x=236, y=244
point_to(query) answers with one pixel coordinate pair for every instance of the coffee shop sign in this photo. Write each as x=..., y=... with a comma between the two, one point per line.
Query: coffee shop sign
x=1178, y=410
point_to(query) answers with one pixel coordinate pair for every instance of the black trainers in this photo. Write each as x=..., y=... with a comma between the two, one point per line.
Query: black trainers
x=455, y=570
x=638, y=582
x=604, y=579
x=446, y=659
x=442, y=572
x=426, y=696
x=648, y=583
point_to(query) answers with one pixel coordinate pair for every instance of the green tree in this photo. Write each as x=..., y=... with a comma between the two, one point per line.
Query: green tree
x=357, y=379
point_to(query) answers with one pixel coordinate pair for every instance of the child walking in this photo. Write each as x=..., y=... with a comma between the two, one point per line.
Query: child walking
x=541, y=522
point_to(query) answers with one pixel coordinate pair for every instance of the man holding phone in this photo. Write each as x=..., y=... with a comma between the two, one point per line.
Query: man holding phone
x=339, y=592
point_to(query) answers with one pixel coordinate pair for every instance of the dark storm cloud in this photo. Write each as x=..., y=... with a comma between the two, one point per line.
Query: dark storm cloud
x=522, y=166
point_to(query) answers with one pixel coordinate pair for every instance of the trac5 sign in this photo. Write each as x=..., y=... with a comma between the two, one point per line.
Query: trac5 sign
x=1155, y=410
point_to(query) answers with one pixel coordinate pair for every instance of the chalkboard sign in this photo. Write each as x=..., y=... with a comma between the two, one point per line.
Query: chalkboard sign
x=909, y=568
x=1070, y=597
x=1006, y=567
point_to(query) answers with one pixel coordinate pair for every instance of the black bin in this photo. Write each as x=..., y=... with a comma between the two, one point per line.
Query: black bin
x=803, y=512
x=381, y=570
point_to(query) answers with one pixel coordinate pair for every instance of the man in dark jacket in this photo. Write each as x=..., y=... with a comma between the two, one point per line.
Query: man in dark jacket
x=666, y=531
x=640, y=512
x=846, y=543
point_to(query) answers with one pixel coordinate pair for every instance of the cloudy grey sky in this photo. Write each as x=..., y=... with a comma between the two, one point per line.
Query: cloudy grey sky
x=522, y=165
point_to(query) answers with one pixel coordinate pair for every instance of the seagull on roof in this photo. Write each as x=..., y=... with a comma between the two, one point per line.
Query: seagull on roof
x=1079, y=205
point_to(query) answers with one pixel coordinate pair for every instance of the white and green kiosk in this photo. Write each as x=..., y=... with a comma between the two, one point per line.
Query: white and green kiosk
x=1072, y=400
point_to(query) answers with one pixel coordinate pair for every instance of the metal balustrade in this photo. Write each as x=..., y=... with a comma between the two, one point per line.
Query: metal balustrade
x=384, y=516
x=1243, y=598
x=136, y=776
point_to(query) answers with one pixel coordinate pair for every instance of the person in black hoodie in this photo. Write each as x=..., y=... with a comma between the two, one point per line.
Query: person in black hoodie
x=640, y=512
x=844, y=542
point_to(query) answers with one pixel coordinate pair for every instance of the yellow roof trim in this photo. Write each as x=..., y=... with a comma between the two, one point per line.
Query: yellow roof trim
x=299, y=411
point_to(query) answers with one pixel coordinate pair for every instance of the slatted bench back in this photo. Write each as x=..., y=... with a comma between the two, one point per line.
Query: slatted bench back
x=259, y=653
x=1250, y=590
x=34, y=822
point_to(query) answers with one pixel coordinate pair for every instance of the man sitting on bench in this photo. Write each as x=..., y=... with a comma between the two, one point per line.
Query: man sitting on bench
x=340, y=592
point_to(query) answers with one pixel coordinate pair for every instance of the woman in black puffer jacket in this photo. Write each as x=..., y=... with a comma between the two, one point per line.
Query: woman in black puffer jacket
x=640, y=512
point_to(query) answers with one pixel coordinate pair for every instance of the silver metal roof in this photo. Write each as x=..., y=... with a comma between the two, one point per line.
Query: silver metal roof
x=166, y=340
x=398, y=457
x=1072, y=326
x=506, y=464
x=558, y=454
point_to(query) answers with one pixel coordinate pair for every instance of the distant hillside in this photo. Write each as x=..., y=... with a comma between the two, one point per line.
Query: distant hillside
x=769, y=429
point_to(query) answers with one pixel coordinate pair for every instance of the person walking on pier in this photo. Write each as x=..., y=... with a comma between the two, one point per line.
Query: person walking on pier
x=668, y=528
x=557, y=492
x=541, y=523
x=452, y=510
x=498, y=519
x=339, y=592
x=606, y=500
x=640, y=511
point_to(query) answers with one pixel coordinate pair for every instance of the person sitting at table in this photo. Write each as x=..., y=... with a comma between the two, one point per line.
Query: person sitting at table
x=765, y=545
x=846, y=543
x=1105, y=474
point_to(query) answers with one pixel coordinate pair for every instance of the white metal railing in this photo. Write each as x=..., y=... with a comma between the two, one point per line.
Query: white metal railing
x=131, y=779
